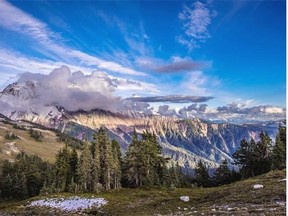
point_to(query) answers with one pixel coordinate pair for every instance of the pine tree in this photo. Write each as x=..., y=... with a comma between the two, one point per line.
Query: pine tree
x=106, y=158
x=84, y=169
x=63, y=170
x=279, y=150
x=244, y=158
x=133, y=163
x=73, y=162
x=262, y=154
x=117, y=165
x=96, y=164
x=22, y=186
x=202, y=175
x=223, y=175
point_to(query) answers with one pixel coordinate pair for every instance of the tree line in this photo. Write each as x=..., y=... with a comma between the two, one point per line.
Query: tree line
x=99, y=166
x=252, y=158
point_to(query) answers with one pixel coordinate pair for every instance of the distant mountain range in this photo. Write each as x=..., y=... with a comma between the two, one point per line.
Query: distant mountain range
x=183, y=140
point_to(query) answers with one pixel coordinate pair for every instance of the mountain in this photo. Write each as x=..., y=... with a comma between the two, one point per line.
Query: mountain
x=184, y=140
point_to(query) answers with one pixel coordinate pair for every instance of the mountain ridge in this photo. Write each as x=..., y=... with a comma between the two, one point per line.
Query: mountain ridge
x=186, y=141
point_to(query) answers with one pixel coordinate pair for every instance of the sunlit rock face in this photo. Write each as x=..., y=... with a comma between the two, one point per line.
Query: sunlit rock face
x=185, y=141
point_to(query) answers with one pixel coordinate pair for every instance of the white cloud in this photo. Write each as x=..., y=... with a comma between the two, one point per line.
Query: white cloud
x=16, y=20
x=276, y=110
x=196, y=20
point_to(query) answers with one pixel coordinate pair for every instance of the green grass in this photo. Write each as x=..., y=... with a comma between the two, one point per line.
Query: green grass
x=235, y=199
x=46, y=149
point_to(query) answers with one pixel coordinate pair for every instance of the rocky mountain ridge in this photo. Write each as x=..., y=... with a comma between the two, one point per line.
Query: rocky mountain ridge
x=184, y=140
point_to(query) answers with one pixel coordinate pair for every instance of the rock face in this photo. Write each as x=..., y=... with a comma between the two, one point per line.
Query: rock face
x=184, y=141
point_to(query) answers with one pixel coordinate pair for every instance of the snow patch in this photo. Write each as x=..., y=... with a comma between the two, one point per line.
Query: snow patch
x=71, y=204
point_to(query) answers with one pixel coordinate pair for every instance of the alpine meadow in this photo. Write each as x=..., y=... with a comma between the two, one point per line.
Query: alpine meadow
x=139, y=108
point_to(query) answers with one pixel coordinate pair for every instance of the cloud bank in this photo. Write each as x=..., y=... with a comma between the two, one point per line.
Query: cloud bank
x=61, y=87
x=171, y=99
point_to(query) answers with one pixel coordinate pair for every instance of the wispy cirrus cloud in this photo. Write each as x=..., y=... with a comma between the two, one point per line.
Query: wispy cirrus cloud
x=196, y=21
x=199, y=83
x=16, y=20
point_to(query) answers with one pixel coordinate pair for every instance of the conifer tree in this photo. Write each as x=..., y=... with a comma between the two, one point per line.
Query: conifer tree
x=73, y=162
x=244, y=158
x=223, y=175
x=117, y=165
x=106, y=158
x=84, y=169
x=262, y=154
x=96, y=164
x=279, y=150
x=133, y=163
x=202, y=175
x=63, y=170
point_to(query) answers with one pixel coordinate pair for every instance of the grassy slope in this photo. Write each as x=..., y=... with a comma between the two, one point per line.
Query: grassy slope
x=234, y=199
x=46, y=149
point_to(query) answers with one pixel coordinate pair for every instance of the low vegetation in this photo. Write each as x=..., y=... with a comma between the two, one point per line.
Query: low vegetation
x=100, y=169
x=233, y=199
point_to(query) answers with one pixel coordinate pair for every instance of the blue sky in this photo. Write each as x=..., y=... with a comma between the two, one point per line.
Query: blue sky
x=234, y=51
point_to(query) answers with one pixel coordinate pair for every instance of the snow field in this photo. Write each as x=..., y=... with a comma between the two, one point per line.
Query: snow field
x=71, y=204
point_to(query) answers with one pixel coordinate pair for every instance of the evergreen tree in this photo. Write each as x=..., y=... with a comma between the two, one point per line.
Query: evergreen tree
x=96, y=164
x=84, y=169
x=244, y=158
x=223, y=175
x=117, y=165
x=202, y=175
x=106, y=158
x=175, y=175
x=279, y=150
x=63, y=169
x=73, y=162
x=262, y=154
x=133, y=163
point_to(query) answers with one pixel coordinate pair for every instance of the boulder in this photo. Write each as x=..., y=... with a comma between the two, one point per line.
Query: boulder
x=184, y=198
x=257, y=186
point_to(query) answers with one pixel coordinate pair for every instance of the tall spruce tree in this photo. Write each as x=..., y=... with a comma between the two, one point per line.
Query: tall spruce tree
x=63, y=169
x=84, y=171
x=262, y=156
x=96, y=164
x=133, y=163
x=244, y=158
x=202, y=175
x=116, y=165
x=223, y=174
x=279, y=150
x=106, y=158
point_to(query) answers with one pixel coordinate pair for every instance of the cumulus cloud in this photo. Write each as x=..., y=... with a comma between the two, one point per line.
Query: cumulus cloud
x=171, y=99
x=196, y=20
x=61, y=87
x=140, y=107
x=241, y=108
x=166, y=111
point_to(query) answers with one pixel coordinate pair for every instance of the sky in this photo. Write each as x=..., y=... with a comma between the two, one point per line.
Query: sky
x=201, y=56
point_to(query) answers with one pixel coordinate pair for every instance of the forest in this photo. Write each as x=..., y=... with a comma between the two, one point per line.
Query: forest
x=99, y=166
